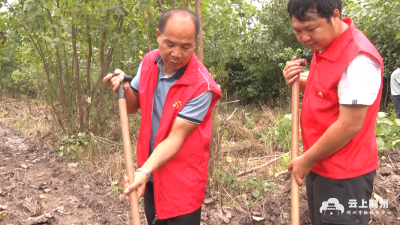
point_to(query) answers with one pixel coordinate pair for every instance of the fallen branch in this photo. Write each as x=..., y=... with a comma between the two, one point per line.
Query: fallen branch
x=391, y=162
x=224, y=103
x=264, y=157
x=282, y=173
x=232, y=114
x=261, y=166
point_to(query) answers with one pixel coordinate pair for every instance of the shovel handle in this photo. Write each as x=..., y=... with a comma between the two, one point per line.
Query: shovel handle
x=295, y=150
x=133, y=201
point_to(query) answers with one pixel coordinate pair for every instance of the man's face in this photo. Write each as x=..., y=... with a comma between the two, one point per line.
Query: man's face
x=177, y=43
x=316, y=34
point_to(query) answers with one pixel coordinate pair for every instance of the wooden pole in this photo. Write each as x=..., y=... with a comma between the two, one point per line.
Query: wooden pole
x=295, y=150
x=133, y=201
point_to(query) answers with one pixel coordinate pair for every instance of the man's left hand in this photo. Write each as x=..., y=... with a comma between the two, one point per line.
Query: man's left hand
x=139, y=183
x=300, y=167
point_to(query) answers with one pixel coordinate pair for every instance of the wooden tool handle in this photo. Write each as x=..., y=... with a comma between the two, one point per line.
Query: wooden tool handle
x=133, y=201
x=295, y=150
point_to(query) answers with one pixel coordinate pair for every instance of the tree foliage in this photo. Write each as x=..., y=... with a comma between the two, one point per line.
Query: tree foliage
x=60, y=50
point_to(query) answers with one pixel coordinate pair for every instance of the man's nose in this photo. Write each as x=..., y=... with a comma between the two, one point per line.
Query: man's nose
x=176, y=53
x=305, y=37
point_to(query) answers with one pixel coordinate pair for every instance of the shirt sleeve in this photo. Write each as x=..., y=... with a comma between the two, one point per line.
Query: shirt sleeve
x=397, y=77
x=360, y=82
x=135, y=81
x=195, y=110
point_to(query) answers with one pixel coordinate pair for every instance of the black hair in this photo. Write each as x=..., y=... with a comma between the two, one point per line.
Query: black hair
x=302, y=10
x=169, y=13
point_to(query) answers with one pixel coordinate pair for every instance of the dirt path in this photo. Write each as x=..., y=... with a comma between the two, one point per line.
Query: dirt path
x=37, y=187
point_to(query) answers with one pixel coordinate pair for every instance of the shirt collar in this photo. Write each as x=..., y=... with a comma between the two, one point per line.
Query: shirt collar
x=177, y=75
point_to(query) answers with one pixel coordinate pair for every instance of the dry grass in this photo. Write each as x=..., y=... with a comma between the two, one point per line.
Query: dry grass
x=244, y=134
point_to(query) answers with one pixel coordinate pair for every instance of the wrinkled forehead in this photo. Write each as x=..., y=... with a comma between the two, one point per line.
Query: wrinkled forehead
x=180, y=28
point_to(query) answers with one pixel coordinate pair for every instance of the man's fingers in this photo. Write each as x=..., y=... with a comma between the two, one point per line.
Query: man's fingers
x=107, y=78
x=139, y=193
x=290, y=167
x=131, y=187
x=126, y=179
x=117, y=71
x=292, y=80
x=298, y=179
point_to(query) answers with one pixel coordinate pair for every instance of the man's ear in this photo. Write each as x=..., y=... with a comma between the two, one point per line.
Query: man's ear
x=336, y=14
x=158, y=34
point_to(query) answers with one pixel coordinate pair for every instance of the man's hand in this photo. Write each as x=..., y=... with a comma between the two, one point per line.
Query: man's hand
x=139, y=183
x=291, y=71
x=113, y=82
x=300, y=167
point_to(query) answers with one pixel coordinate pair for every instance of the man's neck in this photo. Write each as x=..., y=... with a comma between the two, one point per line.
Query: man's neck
x=343, y=27
x=167, y=71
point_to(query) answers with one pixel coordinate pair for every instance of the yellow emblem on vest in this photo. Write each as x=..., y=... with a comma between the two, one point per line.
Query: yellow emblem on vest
x=177, y=104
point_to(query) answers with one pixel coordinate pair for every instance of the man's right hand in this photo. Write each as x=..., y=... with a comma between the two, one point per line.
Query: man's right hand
x=292, y=71
x=114, y=82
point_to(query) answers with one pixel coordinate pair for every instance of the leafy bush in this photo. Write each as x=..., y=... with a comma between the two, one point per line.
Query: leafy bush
x=254, y=185
x=70, y=144
x=283, y=132
x=387, y=131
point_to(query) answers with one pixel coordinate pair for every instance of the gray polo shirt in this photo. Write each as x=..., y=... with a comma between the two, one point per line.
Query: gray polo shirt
x=194, y=111
x=395, y=82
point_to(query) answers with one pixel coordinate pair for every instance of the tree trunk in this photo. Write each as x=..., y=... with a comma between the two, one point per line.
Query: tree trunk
x=187, y=4
x=105, y=64
x=89, y=60
x=60, y=74
x=387, y=93
x=47, y=73
x=200, y=38
x=173, y=3
x=102, y=74
x=77, y=78
x=145, y=28
x=214, y=142
x=160, y=7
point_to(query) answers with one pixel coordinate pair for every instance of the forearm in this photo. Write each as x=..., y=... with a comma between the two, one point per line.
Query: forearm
x=163, y=153
x=334, y=138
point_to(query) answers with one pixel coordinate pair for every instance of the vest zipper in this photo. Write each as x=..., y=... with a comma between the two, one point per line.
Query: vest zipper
x=155, y=220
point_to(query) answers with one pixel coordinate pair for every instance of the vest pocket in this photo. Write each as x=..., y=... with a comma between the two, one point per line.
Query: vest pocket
x=320, y=93
x=192, y=174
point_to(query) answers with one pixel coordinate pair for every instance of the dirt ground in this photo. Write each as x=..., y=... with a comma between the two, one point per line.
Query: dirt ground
x=37, y=186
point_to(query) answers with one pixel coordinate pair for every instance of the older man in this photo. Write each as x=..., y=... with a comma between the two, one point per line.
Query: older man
x=176, y=94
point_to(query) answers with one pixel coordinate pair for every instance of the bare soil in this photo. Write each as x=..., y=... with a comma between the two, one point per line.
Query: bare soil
x=39, y=187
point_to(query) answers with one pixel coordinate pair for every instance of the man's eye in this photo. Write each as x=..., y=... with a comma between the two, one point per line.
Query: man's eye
x=170, y=45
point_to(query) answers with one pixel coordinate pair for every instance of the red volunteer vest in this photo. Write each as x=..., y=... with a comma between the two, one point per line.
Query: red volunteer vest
x=320, y=107
x=180, y=184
